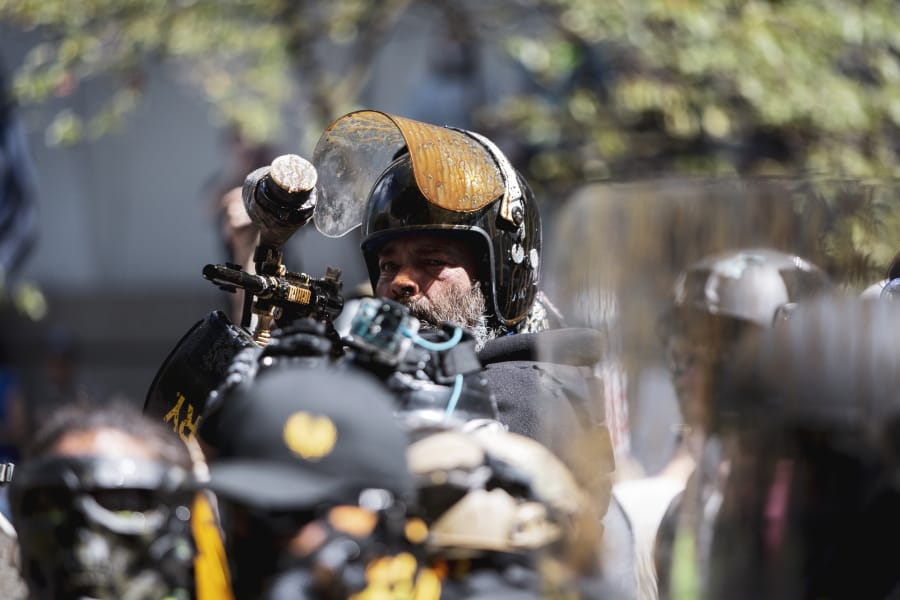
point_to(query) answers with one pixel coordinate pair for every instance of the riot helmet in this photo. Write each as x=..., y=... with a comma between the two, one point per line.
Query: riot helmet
x=104, y=527
x=410, y=177
x=748, y=284
x=717, y=301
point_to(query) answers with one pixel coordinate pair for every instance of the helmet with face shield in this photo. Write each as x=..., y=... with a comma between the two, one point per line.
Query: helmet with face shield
x=396, y=176
x=104, y=527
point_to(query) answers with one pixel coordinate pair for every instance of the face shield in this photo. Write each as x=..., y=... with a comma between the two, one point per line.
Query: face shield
x=455, y=170
x=104, y=528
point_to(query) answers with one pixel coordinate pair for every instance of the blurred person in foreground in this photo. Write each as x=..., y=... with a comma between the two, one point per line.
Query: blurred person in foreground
x=314, y=489
x=811, y=505
x=717, y=301
x=506, y=519
x=103, y=504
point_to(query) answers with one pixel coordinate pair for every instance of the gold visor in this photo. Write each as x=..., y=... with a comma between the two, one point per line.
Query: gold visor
x=452, y=168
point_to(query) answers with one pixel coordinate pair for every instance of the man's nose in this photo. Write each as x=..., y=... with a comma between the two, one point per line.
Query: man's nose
x=405, y=282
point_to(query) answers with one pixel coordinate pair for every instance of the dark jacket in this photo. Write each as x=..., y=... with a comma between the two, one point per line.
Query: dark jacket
x=545, y=387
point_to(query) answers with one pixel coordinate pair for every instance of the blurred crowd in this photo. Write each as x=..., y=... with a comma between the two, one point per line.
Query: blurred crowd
x=443, y=431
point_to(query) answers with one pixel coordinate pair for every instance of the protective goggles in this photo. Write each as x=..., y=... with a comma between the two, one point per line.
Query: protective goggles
x=123, y=495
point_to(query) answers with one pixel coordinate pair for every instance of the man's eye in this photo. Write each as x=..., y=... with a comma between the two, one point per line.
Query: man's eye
x=434, y=262
x=386, y=267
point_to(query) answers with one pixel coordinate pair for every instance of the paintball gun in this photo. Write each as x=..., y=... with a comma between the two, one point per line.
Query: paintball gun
x=290, y=295
x=279, y=198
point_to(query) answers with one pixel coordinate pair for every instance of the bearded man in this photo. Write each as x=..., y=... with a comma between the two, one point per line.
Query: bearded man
x=452, y=230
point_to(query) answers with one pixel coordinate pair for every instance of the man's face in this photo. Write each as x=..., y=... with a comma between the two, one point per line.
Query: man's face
x=434, y=276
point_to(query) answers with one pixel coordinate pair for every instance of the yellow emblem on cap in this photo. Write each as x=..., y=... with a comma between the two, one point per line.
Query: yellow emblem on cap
x=310, y=436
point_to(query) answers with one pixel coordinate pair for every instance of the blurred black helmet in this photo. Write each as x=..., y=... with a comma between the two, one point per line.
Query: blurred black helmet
x=396, y=176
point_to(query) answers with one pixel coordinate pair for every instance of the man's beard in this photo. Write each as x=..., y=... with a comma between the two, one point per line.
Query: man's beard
x=455, y=304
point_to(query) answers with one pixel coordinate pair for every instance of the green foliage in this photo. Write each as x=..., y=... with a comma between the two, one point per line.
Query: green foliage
x=613, y=90
x=241, y=55
x=628, y=88
x=797, y=85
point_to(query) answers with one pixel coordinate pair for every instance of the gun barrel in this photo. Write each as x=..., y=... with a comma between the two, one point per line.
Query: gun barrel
x=297, y=293
x=222, y=275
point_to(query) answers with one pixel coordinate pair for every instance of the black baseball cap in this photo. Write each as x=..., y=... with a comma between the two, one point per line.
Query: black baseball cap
x=297, y=437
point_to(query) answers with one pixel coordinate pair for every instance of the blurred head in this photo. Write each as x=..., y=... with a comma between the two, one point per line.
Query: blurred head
x=490, y=495
x=719, y=300
x=311, y=478
x=102, y=506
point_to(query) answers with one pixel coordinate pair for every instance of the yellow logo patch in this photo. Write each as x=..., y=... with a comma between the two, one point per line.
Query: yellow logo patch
x=399, y=578
x=310, y=436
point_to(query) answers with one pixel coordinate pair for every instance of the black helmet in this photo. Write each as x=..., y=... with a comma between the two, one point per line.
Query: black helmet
x=508, y=251
x=406, y=164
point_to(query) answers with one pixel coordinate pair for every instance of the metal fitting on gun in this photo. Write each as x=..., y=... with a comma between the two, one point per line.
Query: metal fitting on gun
x=280, y=198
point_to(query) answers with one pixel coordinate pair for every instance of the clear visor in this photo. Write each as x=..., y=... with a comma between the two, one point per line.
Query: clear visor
x=455, y=170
